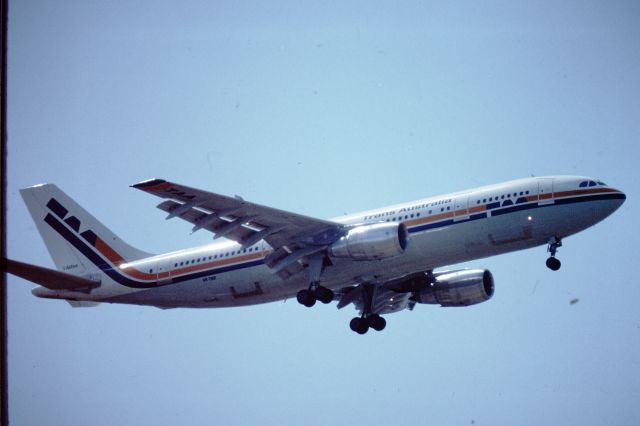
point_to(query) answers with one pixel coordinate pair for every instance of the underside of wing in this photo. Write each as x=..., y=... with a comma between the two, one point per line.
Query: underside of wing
x=374, y=298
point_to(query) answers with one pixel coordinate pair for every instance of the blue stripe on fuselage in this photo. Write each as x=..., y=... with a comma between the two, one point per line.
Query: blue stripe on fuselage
x=117, y=276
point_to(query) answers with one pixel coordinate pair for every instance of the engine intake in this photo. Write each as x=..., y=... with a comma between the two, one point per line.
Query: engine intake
x=372, y=242
x=458, y=288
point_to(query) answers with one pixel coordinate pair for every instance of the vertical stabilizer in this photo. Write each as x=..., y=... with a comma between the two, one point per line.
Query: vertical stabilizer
x=76, y=240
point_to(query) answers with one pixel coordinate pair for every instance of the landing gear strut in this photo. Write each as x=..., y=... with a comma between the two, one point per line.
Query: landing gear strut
x=368, y=319
x=315, y=292
x=552, y=262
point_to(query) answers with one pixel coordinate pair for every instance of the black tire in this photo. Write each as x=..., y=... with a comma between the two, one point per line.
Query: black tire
x=324, y=295
x=364, y=327
x=359, y=325
x=306, y=298
x=553, y=263
x=302, y=296
x=310, y=301
x=355, y=324
x=377, y=322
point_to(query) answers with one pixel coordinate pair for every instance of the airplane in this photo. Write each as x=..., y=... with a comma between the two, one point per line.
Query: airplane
x=382, y=261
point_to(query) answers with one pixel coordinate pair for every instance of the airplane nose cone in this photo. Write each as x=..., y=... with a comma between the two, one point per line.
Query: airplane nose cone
x=619, y=198
x=620, y=195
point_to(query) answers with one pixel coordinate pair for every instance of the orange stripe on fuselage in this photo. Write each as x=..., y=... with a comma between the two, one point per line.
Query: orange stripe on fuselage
x=433, y=218
x=133, y=272
x=478, y=209
x=118, y=260
x=217, y=263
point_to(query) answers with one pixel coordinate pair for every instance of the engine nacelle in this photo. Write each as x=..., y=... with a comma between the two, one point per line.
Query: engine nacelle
x=458, y=288
x=372, y=242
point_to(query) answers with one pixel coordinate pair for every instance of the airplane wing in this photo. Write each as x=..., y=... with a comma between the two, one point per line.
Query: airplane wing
x=293, y=237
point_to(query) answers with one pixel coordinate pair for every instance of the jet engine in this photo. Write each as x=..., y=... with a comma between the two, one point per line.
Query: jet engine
x=458, y=288
x=372, y=242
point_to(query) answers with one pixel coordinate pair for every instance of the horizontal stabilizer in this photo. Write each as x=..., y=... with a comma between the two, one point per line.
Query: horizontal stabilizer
x=49, y=278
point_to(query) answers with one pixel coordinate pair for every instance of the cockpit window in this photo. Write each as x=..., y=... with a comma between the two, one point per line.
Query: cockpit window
x=583, y=184
x=601, y=183
x=592, y=183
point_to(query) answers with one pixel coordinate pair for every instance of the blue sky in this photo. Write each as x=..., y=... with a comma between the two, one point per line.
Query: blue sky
x=325, y=109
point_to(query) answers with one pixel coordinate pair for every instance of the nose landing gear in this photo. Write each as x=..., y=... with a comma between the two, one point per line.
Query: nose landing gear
x=553, y=263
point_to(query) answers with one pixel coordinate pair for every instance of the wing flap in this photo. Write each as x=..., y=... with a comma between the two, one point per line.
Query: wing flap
x=293, y=237
x=237, y=231
x=187, y=203
x=49, y=278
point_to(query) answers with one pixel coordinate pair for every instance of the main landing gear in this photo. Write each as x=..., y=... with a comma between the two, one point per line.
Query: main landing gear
x=363, y=292
x=368, y=319
x=554, y=244
x=362, y=324
x=315, y=292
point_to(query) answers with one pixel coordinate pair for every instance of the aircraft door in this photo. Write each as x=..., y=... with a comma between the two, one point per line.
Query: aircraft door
x=164, y=271
x=545, y=190
x=461, y=207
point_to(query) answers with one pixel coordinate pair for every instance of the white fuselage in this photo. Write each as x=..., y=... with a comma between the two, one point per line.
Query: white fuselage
x=443, y=230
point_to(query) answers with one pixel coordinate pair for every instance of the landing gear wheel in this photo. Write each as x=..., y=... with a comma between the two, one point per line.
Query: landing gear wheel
x=553, y=263
x=359, y=325
x=377, y=322
x=324, y=295
x=306, y=298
